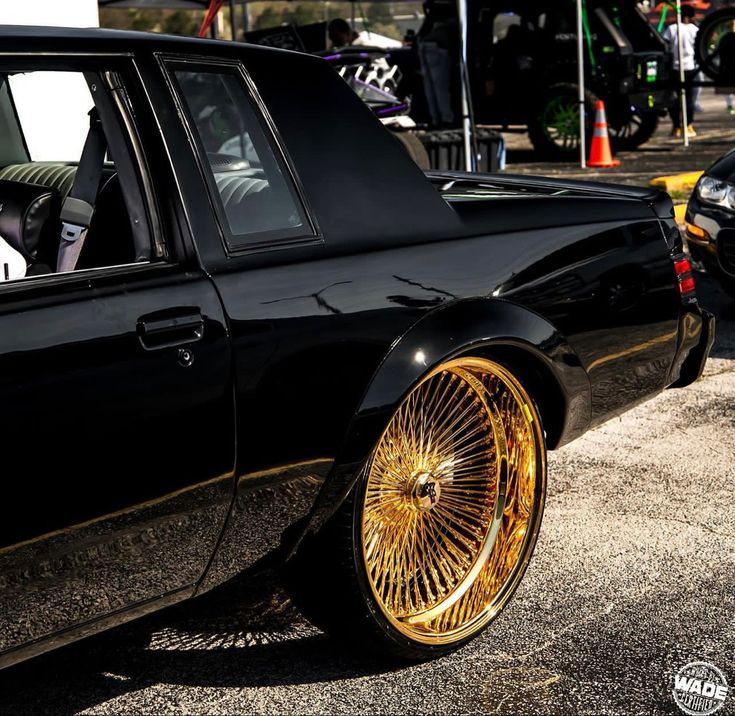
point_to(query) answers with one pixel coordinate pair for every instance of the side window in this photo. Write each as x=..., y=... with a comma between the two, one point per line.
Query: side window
x=252, y=189
x=70, y=195
x=32, y=91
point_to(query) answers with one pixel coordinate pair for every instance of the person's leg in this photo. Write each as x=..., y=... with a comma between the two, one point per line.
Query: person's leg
x=697, y=92
x=674, y=112
x=427, y=62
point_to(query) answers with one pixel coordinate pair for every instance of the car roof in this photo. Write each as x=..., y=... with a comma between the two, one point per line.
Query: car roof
x=24, y=38
x=346, y=161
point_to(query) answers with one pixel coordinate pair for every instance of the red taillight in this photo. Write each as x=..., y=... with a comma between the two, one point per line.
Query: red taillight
x=683, y=270
x=682, y=266
x=686, y=285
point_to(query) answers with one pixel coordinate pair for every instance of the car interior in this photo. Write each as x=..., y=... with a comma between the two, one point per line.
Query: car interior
x=70, y=195
x=34, y=192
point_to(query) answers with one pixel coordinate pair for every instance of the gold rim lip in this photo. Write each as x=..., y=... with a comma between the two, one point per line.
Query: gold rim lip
x=504, y=593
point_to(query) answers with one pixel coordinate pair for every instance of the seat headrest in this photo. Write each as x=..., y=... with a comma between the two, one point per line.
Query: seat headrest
x=235, y=186
x=24, y=209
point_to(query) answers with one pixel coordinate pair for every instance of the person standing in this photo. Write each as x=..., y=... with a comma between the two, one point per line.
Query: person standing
x=340, y=33
x=688, y=37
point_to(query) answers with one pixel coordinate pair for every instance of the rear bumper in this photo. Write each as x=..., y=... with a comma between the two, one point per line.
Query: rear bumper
x=697, y=333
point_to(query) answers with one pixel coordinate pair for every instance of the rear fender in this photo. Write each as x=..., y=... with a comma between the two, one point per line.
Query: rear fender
x=487, y=327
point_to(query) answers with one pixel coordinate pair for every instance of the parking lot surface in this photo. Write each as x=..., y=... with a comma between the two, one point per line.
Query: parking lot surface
x=662, y=155
x=633, y=577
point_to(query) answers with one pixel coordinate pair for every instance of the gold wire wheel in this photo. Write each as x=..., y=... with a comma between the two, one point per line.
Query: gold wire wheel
x=453, y=499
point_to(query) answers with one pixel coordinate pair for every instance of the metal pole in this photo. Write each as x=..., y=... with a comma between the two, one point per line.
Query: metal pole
x=580, y=84
x=470, y=159
x=682, y=77
x=233, y=20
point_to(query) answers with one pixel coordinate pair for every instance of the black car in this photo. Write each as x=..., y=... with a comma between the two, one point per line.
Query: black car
x=248, y=330
x=710, y=221
x=524, y=69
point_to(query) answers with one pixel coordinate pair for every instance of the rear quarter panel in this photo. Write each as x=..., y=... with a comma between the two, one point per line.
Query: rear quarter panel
x=309, y=337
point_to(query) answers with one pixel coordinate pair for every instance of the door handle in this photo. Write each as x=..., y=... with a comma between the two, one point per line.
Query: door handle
x=168, y=329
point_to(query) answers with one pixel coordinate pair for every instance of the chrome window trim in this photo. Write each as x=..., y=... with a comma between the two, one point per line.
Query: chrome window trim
x=125, y=110
x=28, y=283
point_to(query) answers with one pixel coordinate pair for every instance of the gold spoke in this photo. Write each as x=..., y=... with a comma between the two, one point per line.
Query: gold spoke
x=434, y=540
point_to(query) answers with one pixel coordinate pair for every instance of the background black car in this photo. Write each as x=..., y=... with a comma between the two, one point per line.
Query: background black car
x=523, y=68
x=710, y=217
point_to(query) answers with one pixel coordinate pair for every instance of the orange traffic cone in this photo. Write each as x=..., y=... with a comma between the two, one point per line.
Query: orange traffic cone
x=600, y=153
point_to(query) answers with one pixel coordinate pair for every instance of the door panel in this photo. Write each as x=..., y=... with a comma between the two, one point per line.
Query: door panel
x=118, y=445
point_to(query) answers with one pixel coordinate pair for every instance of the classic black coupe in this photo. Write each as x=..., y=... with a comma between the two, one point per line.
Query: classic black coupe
x=238, y=325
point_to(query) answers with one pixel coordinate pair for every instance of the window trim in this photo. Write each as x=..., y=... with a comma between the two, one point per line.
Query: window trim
x=86, y=278
x=254, y=242
x=120, y=98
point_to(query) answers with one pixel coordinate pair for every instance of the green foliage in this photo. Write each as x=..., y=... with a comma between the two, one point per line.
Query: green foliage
x=378, y=14
x=378, y=17
x=269, y=17
x=181, y=22
x=176, y=22
x=303, y=13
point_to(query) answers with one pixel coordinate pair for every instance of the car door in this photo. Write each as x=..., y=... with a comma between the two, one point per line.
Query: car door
x=117, y=420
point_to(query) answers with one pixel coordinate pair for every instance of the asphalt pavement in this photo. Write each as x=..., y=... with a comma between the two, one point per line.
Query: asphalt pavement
x=633, y=577
x=661, y=155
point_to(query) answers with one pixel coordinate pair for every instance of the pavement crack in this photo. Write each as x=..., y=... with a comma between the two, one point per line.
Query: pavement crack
x=689, y=523
x=555, y=636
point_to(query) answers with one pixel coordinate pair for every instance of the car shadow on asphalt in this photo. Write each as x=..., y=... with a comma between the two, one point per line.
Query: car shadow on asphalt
x=246, y=633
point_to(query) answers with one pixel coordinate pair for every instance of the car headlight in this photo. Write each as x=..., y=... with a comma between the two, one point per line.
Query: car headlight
x=716, y=191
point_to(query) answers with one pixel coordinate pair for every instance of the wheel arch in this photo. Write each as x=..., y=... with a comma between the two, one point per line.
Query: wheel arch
x=497, y=329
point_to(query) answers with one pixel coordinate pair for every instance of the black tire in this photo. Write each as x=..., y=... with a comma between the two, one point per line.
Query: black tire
x=631, y=131
x=340, y=584
x=714, y=47
x=554, y=128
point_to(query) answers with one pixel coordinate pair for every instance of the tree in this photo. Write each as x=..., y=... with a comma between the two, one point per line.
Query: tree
x=176, y=22
x=379, y=13
x=268, y=18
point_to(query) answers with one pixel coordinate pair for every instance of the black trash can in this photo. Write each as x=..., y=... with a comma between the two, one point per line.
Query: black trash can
x=445, y=149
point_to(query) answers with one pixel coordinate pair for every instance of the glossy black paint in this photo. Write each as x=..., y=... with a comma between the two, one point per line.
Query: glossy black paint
x=134, y=468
